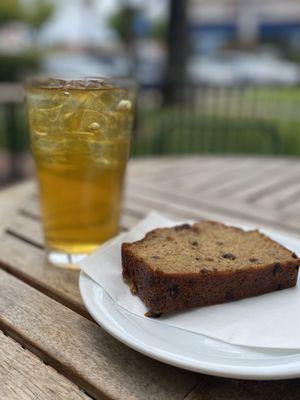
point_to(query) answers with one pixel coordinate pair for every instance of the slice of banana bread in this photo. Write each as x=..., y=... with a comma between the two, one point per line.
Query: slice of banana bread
x=172, y=269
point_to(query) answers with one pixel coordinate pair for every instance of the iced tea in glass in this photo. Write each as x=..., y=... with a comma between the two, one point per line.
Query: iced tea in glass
x=80, y=135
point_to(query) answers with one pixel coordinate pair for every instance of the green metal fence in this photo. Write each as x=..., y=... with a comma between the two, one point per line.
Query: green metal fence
x=260, y=120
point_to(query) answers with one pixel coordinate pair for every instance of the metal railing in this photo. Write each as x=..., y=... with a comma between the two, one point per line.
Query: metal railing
x=240, y=119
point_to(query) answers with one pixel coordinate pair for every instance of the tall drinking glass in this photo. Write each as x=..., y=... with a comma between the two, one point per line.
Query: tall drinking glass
x=80, y=135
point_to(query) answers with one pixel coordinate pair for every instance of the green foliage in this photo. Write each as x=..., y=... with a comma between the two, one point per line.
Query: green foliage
x=20, y=130
x=38, y=13
x=12, y=67
x=292, y=54
x=35, y=13
x=10, y=10
x=121, y=22
x=159, y=30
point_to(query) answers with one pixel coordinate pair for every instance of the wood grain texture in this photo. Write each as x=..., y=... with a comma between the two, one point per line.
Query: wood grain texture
x=18, y=256
x=212, y=388
x=255, y=190
x=244, y=176
x=27, y=227
x=23, y=376
x=29, y=264
x=82, y=351
x=215, y=186
x=227, y=181
x=211, y=176
x=211, y=206
x=10, y=199
x=143, y=196
x=22, y=254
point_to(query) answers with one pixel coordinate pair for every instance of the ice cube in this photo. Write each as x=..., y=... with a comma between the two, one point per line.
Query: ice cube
x=124, y=105
x=45, y=121
x=42, y=100
x=110, y=98
x=38, y=122
x=112, y=154
x=119, y=124
x=51, y=114
x=104, y=99
x=73, y=101
x=93, y=121
x=72, y=109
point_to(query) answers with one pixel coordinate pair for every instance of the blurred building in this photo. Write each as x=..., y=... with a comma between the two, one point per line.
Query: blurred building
x=220, y=21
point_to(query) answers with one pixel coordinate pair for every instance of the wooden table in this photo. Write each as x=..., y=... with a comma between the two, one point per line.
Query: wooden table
x=50, y=348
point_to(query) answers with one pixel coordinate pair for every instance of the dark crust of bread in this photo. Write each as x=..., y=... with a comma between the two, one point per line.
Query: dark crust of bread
x=165, y=293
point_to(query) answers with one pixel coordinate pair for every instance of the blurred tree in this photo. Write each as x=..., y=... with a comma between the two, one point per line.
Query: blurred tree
x=10, y=10
x=35, y=14
x=38, y=13
x=14, y=66
x=159, y=30
x=122, y=23
x=177, y=45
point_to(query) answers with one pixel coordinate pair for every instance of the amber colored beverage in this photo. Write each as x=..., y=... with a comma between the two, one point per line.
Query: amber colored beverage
x=80, y=135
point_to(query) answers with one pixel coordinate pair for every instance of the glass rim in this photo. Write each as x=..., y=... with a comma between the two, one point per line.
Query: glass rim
x=51, y=82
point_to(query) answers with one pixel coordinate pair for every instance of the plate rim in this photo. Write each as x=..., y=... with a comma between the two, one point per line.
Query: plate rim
x=275, y=372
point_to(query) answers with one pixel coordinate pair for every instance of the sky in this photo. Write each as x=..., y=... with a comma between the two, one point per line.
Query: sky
x=73, y=22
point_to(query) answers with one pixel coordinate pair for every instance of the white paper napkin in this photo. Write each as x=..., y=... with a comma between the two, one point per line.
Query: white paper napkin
x=268, y=321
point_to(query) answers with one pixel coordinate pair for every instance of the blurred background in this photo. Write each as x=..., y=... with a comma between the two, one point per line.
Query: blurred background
x=215, y=76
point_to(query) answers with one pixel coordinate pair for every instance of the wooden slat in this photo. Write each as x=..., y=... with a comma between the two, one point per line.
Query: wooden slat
x=23, y=376
x=27, y=227
x=212, y=388
x=157, y=170
x=269, y=186
x=128, y=220
x=283, y=198
x=30, y=206
x=149, y=167
x=254, y=174
x=139, y=206
x=29, y=264
x=10, y=199
x=172, y=201
x=79, y=349
x=153, y=168
x=181, y=172
x=245, y=177
x=215, y=176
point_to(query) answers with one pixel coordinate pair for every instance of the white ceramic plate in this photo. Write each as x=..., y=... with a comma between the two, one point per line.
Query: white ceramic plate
x=186, y=349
